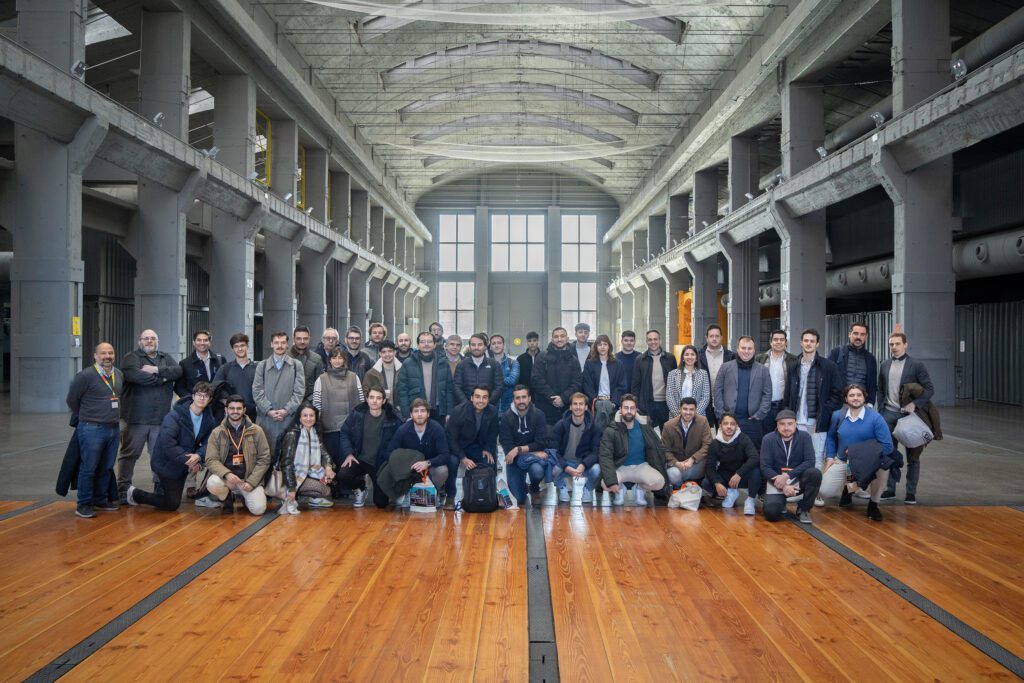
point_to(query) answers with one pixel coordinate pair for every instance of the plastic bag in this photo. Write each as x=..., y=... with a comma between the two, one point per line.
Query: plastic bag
x=911, y=431
x=687, y=498
x=423, y=496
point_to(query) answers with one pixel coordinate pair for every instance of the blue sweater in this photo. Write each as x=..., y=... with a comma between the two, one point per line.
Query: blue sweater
x=845, y=432
x=434, y=446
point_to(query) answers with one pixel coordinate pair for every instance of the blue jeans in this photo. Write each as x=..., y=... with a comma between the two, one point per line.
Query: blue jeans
x=593, y=474
x=695, y=472
x=913, y=473
x=518, y=477
x=97, y=445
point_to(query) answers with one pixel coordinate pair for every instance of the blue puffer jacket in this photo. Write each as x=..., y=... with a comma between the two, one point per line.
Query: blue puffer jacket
x=177, y=439
x=410, y=384
x=510, y=375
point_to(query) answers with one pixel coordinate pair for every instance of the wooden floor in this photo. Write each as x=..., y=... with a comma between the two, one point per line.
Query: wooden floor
x=636, y=595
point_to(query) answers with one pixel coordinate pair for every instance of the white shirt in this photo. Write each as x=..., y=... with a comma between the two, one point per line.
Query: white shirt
x=604, y=387
x=801, y=414
x=714, y=363
x=777, y=370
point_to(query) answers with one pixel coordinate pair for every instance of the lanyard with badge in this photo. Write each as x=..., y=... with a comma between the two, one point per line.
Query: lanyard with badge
x=237, y=457
x=113, y=392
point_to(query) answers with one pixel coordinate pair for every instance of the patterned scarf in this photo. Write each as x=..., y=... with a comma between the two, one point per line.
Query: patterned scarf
x=307, y=457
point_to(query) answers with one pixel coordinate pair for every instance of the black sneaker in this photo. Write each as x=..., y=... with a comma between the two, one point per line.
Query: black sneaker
x=85, y=511
x=845, y=500
x=229, y=504
x=911, y=499
x=874, y=513
x=106, y=506
x=888, y=496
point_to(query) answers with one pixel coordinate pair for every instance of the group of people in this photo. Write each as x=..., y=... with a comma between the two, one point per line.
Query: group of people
x=309, y=424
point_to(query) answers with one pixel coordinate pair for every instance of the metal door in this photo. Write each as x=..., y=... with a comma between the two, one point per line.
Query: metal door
x=517, y=308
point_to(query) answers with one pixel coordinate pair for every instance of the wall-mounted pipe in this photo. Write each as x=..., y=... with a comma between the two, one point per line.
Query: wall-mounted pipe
x=992, y=43
x=6, y=257
x=859, y=124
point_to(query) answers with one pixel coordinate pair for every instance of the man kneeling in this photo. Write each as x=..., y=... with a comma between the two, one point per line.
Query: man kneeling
x=787, y=463
x=237, y=459
x=425, y=438
x=631, y=452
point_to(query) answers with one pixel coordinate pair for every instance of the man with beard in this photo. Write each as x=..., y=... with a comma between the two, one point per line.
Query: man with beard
x=312, y=364
x=403, y=346
x=856, y=364
x=425, y=375
x=358, y=360
x=556, y=376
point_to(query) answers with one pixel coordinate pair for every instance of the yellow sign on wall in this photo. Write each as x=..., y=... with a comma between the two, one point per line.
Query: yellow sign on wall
x=76, y=326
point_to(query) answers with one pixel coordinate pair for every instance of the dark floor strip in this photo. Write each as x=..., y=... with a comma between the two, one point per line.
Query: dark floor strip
x=970, y=634
x=543, y=650
x=76, y=655
x=28, y=508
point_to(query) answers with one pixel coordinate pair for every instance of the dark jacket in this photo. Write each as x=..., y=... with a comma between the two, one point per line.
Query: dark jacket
x=286, y=461
x=67, y=476
x=176, y=440
x=468, y=376
x=359, y=364
x=586, y=451
x=461, y=429
x=230, y=379
x=434, y=446
x=410, y=384
x=840, y=355
x=534, y=436
x=193, y=371
x=727, y=355
x=614, y=450
x=726, y=459
x=352, y=431
x=147, y=398
x=914, y=372
x=830, y=389
x=395, y=476
x=642, y=372
x=867, y=457
x=929, y=414
x=773, y=455
x=312, y=367
x=556, y=372
x=617, y=380
x=526, y=361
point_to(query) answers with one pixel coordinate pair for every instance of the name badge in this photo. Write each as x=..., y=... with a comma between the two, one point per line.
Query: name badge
x=237, y=459
x=113, y=404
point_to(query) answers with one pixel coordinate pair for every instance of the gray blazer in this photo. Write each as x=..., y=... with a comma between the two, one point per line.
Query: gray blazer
x=759, y=398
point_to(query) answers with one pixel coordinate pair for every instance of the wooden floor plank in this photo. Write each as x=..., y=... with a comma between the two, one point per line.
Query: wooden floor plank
x=12, y=505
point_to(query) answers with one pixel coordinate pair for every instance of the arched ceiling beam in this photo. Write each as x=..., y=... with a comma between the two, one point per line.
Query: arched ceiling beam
x=372, y=27
x=437, y=101
x=501, y=121
x=452, y=57
x=476, y=168
x=435, y=159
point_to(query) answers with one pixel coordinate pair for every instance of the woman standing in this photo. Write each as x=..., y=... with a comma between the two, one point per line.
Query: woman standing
x=305, y=466
x=688, y=380
x=336, y=393
x=604, y=381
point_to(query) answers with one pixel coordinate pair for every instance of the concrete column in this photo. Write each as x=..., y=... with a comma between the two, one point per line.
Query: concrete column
x=482, y=276
x=358, y=298
x=675, y=283
x=400, y=247
x=607, y=261
x=744, y=170
x=312, y=288
x=54, y=30
x=411, y=311
x=744, y=306
x=923, y=283
x=159, y=239
x=705, y=198
x=343, y=293
x=640, y=252
x=678, y=218
x=388, y=317
x=389, y=239
x=802, y=256
x=641, y=313
x=704, y=274
x=413, y=254
x=375, y=291
x=360, y=226
x=279, y=287
x=657, y=305
x=284, y=161
x=377, y=230
x=626, y=310
x=341, y=208
x=316, y=183
x=655, y=235
x=400, y=325
x=553, y=249
x=232, y=243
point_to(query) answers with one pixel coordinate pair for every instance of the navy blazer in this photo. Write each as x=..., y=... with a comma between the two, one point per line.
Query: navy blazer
x=618, y=382
x=461, y=429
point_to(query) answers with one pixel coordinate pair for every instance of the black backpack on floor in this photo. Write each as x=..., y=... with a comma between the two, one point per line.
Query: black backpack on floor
x=480, y=490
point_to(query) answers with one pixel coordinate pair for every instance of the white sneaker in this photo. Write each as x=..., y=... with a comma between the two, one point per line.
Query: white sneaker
x=819, y=502
x=564, y=496
x=861, y=493
x=588, y=497
x=360, y=499
x=208, y=502
x=620, y=497
x=730, y=498
x=130, y=495
x=641, y=496
x=403, y=501
x=749, y=506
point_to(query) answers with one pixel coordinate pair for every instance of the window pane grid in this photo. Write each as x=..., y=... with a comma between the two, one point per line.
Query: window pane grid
x=455, y=301
x=455, y=243
x=579, y=304
x=517, y=243
x=579, y=243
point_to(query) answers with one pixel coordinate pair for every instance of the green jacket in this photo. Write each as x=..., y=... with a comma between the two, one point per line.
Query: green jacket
x=615, y=448
x=410, y=384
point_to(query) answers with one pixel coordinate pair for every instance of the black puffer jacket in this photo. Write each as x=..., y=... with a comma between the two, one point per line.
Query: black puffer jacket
x=555, y=372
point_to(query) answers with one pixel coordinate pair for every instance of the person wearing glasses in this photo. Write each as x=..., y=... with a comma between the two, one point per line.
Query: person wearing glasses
x=358, y=362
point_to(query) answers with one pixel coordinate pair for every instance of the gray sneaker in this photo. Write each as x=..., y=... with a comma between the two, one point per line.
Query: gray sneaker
x=564, y=496
x=588, y=496
x=208, y=502
x=130, y=496
x=85, y=511
x=805, y=517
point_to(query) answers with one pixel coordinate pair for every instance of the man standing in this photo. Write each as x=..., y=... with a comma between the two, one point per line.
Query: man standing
x=631, y=452
x=453, y=352
x=312, y=364
x=787, y=463
x=582, y=346
x=94, y=397
x=686, y=439
x=477, y=369
x=238, y=455
x=777, y=359
x=237, y=376
x=403, y=346
x=650, y=379
x=384, y=372
x=712, y=356
x=628, y=355
x=509, y=371
x=527, y=359
x=378, y=333
x=556, y=376
x=813, y=392
x=328, y=342
x=358, y=361
x=425, y=375
x=149, y=377
x=278, y=387
x=472, y=434
x=897, y=372
x=199, y=366
x=437, y=330
x=856, y=364
x=744, y=388
x=523, y=435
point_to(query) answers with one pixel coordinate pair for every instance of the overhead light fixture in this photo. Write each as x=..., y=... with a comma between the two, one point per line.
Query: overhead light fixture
x=309, y=210
x=748, y=195
x=266, y=195
x=287, y=196
x=159, y=118
x=211, y=153
x=878, y=117
x=958, y=69
x=252, y=176
x=822, y=152
x=78, y=69
x=705, y=223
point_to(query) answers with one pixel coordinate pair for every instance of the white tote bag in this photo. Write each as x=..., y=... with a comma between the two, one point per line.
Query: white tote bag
x=911, y=431
x=687, y=498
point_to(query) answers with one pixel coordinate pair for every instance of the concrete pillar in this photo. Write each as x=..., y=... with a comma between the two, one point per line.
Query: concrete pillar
x=640, y=252
x=923, y=283
x=607, y=261
x=657, y=305
x=655, y=235
x=705, y=198
x=482, y=276
x=316, y=183
x=159, y=239
x=343, y=293
x=412, y=254
x=678, y=218
x=675, y=283
x=284, y=160
x=641, y=313
x=54, y=30
x=400, y=247
x=411, y=311
x=626, y=310
x=377, y=230
x=400, y=325
x=312, y=288
x=232, y=243
x=802, y=255
x=358, y=298
x=375, y=291
x=388, y=317
x=389, y=239
x=704, y=274
x=341, y=196
x=360, y=225
x=744, y=306
x=279, y=287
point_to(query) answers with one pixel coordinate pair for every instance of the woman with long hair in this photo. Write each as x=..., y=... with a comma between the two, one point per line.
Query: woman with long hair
x=604, y=378
x=336, y=393
x=305, y=466
x=689, y=379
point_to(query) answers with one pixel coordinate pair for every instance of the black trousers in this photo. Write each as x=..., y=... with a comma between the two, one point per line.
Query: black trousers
x=657, y=414
x=810, y=483
x=709, y=413
x=169, y=498
x=354, y=477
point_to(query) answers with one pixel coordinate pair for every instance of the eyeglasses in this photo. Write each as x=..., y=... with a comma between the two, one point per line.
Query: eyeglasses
x=148, y=338
x=353, y=338
x=330, y=337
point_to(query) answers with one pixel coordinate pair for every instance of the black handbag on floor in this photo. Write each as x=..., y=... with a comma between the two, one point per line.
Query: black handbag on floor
x=480, y=490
